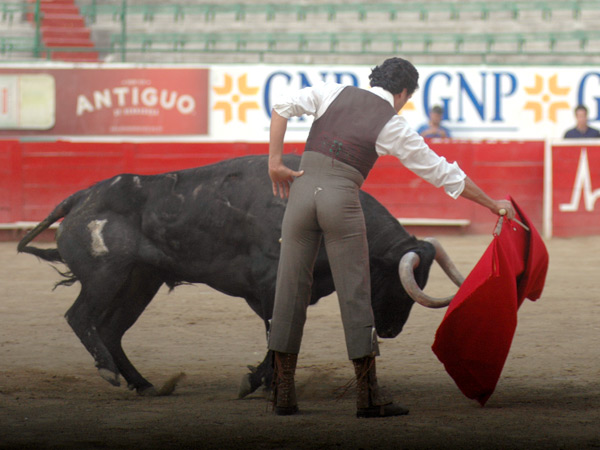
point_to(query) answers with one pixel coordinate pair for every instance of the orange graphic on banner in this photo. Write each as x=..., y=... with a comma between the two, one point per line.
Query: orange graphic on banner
x=554, y=106
x=410, y=106
x=235, y=99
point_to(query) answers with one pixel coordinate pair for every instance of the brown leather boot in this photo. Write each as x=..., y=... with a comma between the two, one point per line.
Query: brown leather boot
x=371, y=400
x=284, y=390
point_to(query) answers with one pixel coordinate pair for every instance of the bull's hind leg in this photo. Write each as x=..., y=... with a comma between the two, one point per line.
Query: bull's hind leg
x=139, y=289
x=84, y=317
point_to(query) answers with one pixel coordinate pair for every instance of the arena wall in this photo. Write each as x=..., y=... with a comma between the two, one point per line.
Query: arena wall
x=38, y=175
x=557, y=184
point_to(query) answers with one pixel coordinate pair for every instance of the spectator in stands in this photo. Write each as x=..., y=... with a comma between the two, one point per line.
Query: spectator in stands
x=433, y=128
x=582, y=129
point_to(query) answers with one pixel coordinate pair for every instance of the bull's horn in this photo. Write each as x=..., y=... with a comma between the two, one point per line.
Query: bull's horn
x=409, y=262
x=445, y=262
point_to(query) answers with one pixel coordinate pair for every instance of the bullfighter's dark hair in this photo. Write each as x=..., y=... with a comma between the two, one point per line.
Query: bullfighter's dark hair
x=395, y=75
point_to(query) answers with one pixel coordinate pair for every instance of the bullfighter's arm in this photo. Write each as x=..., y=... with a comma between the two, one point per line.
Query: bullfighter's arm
x=397, y=138
x=474, y=193
x=281, y=175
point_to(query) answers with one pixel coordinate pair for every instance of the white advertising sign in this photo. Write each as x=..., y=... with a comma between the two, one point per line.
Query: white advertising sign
x=480, y=102
x=27, y=102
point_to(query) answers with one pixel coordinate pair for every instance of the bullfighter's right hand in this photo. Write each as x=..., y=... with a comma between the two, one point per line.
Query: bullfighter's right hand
x=282, y=177
x=504, y=208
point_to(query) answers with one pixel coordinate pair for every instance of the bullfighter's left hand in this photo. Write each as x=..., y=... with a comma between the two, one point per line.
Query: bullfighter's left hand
x=282, y=177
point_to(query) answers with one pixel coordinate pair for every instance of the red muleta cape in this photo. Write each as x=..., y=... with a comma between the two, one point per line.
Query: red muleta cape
x=476, y=333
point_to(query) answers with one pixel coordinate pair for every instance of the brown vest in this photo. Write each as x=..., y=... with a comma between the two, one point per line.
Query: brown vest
x=349, y=128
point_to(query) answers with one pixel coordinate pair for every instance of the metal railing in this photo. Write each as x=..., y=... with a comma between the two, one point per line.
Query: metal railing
x=125, y=43
x=361, y=10
x=345, y=43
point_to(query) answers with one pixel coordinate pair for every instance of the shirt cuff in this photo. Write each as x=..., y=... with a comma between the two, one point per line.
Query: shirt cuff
x=456, y=185
x=455, y=189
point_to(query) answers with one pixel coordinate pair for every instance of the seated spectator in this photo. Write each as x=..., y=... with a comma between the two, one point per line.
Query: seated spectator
x=582, y=130
x=433, y=128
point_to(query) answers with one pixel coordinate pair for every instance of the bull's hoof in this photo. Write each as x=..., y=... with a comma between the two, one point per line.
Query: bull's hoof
x=169, y=387
x=110, y=376
x=147, y=391
x=245, y=386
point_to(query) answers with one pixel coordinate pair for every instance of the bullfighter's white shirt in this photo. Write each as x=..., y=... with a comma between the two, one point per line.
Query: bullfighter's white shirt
x=396, y=138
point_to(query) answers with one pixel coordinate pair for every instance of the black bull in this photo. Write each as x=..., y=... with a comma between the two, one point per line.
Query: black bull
x=220, y=225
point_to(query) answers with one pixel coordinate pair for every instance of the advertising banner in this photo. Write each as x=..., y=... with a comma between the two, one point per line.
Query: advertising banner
x=507, y=103
x=573, y=208
x=232, y=103
x=103, y=101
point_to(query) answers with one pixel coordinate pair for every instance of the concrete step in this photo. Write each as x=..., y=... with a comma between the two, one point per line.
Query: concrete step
x=72, y=56
x=63, y=20
x=59, y=8
x=66, y=42
x=75, y=56
x=54, y=2
x=54, y=10
x=59, y=32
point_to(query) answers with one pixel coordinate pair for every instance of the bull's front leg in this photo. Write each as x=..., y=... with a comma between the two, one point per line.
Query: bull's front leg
x=258, y=376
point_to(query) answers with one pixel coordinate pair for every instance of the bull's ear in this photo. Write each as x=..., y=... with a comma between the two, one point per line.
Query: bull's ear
x=426, y=251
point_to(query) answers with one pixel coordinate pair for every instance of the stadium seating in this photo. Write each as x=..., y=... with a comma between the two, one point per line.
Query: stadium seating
x=10, y=44
x=429, y=31
x=353, y=42
x=361, y=11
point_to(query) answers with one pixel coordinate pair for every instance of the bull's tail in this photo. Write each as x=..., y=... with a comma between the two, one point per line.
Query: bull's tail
x=59, y=212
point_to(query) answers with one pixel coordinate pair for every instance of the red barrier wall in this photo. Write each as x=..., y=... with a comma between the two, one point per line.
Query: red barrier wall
x=499, y=168
x=35, y=176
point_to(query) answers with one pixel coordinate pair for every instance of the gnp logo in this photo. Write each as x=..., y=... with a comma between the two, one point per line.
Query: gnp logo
x=235, y=98
x=547, y=98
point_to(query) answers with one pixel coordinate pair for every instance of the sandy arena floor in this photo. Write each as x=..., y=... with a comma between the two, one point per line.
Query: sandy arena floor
x=51, y=396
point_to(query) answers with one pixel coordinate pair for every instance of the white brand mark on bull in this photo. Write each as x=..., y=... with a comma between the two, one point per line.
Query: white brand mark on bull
x=98, y=246
x=583, y=184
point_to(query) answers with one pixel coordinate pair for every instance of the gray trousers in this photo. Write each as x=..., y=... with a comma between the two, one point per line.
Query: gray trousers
x=324, y=204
